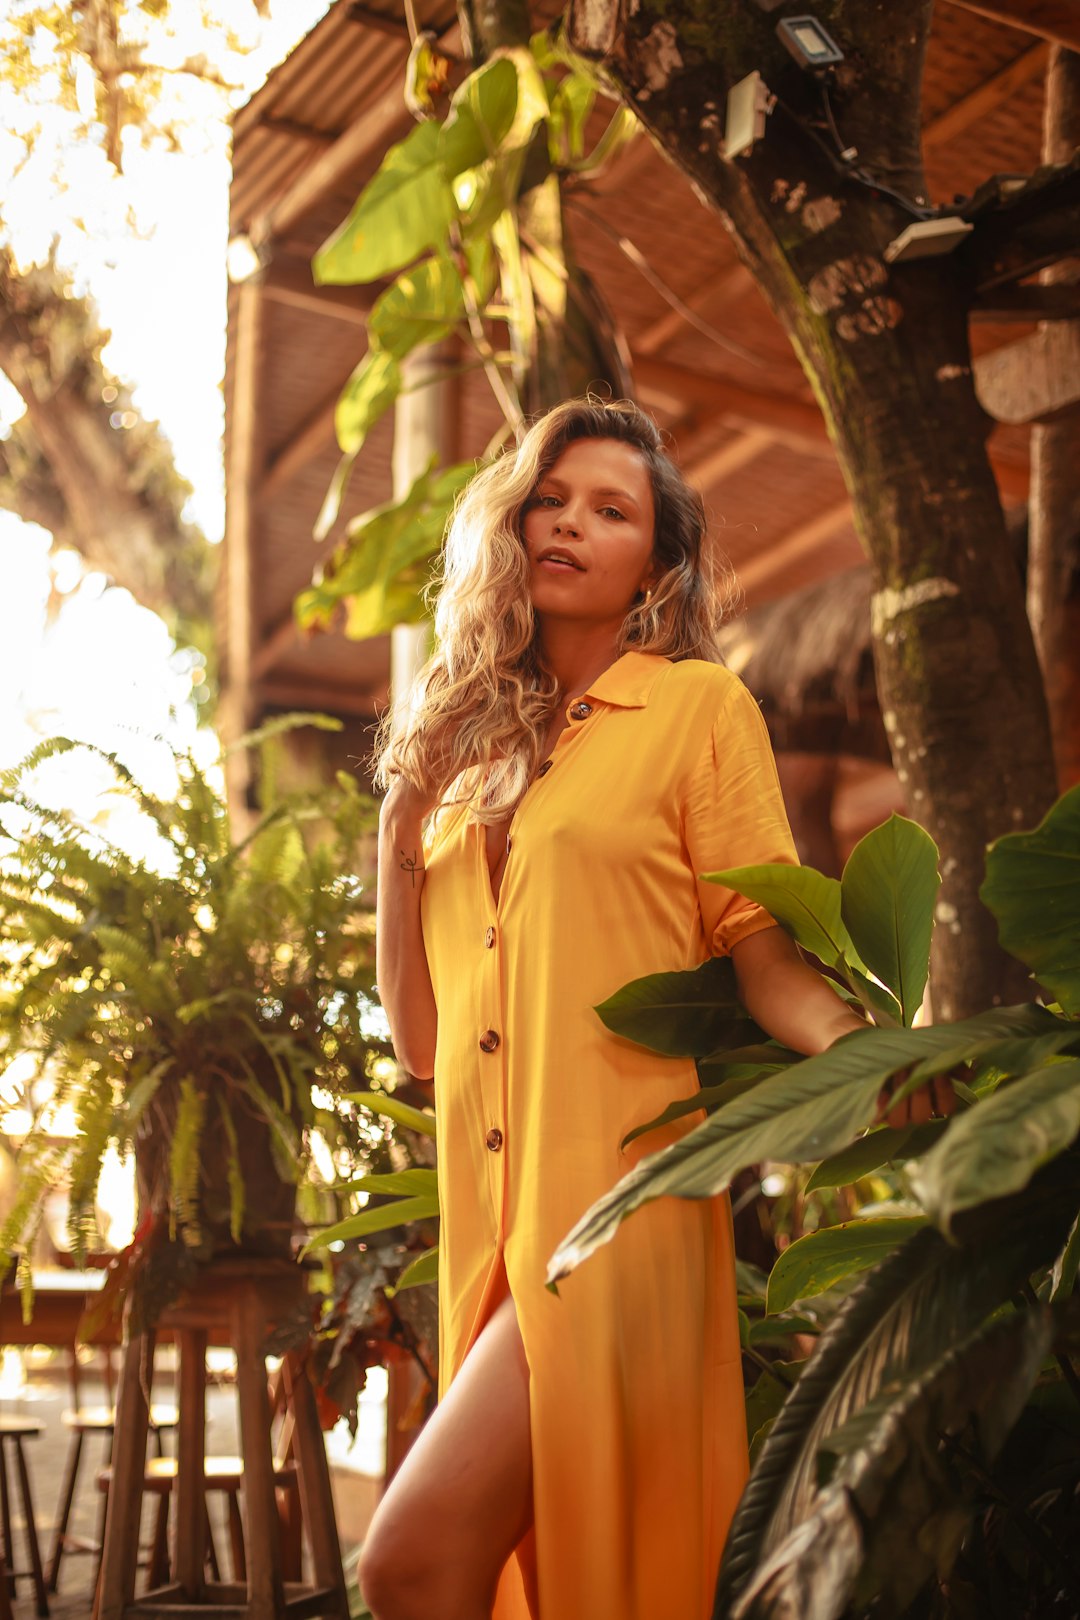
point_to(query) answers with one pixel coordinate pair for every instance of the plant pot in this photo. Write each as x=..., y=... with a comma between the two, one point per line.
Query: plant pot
x=269, y=1198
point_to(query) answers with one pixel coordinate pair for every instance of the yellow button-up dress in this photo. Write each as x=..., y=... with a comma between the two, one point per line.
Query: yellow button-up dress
x=638, y=1436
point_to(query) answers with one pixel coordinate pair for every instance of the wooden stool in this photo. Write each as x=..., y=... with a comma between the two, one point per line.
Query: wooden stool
x=83, y=1421
x=158, y=1481
x=246, y=1299
x=13, y=1431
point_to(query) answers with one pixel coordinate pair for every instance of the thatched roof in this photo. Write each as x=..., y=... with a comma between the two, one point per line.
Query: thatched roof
x=807, y=658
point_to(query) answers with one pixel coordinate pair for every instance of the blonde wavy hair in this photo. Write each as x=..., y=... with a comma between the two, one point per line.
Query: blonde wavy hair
x=479, y=709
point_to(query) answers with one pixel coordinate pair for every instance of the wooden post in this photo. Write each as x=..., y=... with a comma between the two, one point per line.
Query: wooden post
x=238, y=573
x=266, y=1594
x=425, y=425
x=1054, y=510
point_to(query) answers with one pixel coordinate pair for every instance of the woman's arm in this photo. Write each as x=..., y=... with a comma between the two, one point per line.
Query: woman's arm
x=795, y=1005
x=400, y=959
x=786, y=996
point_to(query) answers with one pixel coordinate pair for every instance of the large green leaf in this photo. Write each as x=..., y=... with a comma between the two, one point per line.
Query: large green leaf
x=402, y=1113
x=405, y=208
x=821, y=1259
x=899, y=1320
x=419, y=1181
x=708, y=1098
x=996, y=1147
x=419, y=307
x=688, y=1014
x=481, y=116
x=398, y=1212
x=886, y=1145
x=898, y=1506
x=371, y=390
x=424, y=1269
x=805, y=901
x=887, y=896
x=809, y=1110
x=1032, y=886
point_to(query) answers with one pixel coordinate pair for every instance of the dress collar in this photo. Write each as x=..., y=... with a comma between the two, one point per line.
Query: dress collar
x=628, y=682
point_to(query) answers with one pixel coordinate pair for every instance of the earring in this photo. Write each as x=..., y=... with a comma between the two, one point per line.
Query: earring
x=648, y=595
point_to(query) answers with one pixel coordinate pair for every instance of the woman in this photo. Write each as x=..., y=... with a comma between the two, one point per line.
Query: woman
x=591, y=756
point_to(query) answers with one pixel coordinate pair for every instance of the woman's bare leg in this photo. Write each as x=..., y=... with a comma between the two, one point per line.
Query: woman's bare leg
x=462, y=1500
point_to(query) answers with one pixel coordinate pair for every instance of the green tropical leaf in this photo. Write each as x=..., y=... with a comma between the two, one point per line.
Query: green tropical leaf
x=803, y=1113
x=1032, y=886
x=405, y=208
x=996, y=1147
x=420, y=307
x=805, y=901
x=708, y=1098
x=1066, y=1266
x=402, y=1113
x=688, y=1014
x=887, y=896
x=424, y=1269
x=419, y=1181
x=886, y=1145
x=399, y=1212
x=896, y=1510
x=371, y=390
x=482, y=114
x=820, y=1260
x=899, y=1320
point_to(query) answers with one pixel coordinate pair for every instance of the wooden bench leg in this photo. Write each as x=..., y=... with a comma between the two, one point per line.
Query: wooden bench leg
x=5, y=1514
x=5, y=1595
x=236, y=1539
x=36, y=1570
x=67, y=1497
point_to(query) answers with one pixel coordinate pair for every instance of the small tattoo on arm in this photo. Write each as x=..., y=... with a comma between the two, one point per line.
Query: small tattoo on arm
x=409, y=864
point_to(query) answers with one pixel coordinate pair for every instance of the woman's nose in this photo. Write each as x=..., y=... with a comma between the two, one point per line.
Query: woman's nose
x=565, y=524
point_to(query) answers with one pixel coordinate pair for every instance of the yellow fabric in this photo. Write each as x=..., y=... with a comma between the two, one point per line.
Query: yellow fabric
x=639, y=1446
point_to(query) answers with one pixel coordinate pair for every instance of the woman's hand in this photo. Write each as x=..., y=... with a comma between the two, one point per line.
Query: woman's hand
x=935, y=1100
x=403, y=799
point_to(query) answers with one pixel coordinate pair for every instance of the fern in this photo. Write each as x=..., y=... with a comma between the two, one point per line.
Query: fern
x=237, y=1191
x=184, y=1163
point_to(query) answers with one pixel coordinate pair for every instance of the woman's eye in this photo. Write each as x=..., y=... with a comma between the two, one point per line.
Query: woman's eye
x=611, y=511
x=546, y=500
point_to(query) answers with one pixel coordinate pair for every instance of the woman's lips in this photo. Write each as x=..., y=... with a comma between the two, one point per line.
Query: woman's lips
x=556, y=565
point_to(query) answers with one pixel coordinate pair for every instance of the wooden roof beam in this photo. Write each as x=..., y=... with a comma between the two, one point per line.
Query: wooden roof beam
x=994, y=92
x=315, y=436
x=760, y=572
x=321, y=698
x=676, y=388
x=1055, y=20
x=287, y=280
x=1034, y=380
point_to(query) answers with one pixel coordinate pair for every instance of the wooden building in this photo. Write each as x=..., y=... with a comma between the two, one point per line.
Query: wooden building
x=736, y=402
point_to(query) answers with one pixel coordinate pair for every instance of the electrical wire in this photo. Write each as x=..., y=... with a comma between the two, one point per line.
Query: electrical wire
x=860, y=176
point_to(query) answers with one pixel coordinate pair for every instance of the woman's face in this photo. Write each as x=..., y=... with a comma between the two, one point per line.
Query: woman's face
x=588, y=532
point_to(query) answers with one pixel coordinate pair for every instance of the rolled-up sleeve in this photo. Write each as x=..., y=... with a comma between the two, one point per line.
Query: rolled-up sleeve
x=734, y=815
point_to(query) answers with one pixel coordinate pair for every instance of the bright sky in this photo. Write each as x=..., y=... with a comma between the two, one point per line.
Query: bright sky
x=150, y=248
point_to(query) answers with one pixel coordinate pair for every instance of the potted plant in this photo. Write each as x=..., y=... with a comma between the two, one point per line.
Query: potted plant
x=207, y=1002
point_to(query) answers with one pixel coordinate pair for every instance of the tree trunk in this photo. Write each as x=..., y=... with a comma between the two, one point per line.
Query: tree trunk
x=84, y=464
x=886, y=349
x=1054, y=529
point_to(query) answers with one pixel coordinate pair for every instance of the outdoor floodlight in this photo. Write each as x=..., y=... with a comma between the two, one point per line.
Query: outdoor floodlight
x=809, y=44
x=927, y=238
x=748, y=105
